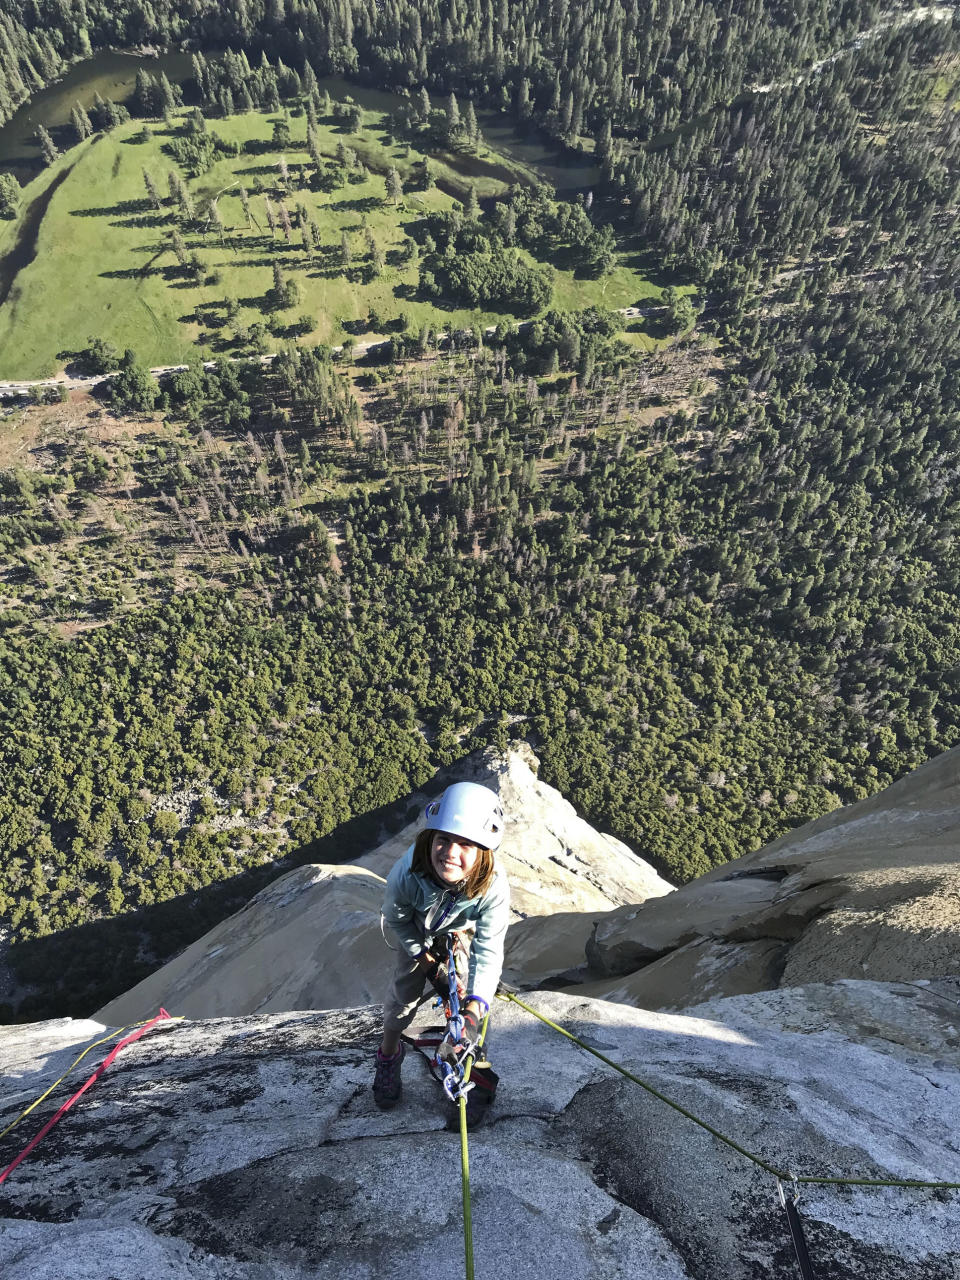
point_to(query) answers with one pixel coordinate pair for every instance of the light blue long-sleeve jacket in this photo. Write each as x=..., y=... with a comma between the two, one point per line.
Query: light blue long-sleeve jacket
x=416, y=908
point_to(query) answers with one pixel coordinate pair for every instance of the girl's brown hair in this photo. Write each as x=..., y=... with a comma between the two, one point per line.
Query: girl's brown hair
x=477, y=882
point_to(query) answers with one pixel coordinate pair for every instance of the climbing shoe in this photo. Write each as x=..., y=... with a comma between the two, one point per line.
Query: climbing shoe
x=387, y=1085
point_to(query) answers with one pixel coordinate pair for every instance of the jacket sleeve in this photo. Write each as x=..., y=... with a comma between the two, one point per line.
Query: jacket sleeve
x=486, y=953
x=398, y=907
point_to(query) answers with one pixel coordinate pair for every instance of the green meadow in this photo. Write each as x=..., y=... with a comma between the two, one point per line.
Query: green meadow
x=105, y=266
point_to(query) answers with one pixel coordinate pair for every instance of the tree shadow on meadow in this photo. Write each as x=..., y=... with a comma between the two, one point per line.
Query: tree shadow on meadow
x=152, y=219
x=124, y=209
x=133, y=273
x=361, y=204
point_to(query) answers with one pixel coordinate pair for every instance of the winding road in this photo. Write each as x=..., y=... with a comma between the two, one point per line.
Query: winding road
x=23, y=388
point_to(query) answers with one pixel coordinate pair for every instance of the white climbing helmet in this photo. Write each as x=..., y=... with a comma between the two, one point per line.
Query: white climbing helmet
x=470, y=811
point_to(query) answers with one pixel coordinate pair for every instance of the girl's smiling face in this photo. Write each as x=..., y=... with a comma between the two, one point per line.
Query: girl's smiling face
x=451, y=857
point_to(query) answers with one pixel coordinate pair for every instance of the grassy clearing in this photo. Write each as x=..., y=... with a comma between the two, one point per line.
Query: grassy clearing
x=946, y=76
x=104, y=264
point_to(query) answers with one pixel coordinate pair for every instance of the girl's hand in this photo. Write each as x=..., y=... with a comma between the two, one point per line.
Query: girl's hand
x=470, y=1036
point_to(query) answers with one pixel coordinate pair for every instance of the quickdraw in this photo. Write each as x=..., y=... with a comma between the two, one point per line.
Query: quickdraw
x=449, y=1060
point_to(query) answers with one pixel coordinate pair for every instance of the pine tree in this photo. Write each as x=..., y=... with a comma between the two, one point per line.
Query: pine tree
x=47, y=145
x=168, y=99
x=179, y=247
x=81, y=122
x=394, y=187
x=313, y=146
x=144, y=93
x=453, y=116
x=201, y=75
x=9, y=195
x=470, y=126
x=152, y=193
x=215, y=218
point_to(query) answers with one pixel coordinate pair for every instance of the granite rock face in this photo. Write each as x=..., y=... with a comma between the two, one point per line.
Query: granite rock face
x=312, y=940
x=251, y=1148
x=868, y=891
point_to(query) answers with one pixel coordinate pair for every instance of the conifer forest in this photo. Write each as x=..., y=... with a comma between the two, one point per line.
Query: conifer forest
x=659, y=472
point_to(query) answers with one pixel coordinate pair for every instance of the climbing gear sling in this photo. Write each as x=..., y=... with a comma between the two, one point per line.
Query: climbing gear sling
x=450, y=1060
x=790, y=1200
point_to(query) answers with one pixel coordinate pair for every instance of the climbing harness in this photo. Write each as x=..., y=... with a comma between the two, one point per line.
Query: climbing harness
x=788, y=1184
x=142, y=1029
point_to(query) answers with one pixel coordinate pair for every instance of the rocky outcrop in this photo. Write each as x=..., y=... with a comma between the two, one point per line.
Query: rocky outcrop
x=869, y=891
x=554, y=859
x=312, y=938
x=251, y=1149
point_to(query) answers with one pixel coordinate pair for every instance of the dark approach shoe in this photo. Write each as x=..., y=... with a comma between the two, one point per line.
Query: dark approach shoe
x=477, y=1108
x=479, y=1100
x=387, y=1086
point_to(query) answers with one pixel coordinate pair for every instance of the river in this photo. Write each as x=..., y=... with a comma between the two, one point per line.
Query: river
x=113, y=75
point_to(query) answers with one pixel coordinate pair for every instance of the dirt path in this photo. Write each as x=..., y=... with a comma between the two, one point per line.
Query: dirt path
x=23, y=388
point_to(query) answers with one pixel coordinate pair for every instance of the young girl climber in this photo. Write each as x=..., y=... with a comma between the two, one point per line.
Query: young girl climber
x=446, y=882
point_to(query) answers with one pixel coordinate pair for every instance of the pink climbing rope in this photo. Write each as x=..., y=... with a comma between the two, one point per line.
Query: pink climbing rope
x=121, y=1044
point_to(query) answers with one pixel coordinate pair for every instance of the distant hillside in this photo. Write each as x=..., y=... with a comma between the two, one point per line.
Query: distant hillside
x=716, y=584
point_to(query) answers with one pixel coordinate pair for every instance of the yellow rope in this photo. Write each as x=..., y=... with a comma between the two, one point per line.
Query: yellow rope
x=103, y=1040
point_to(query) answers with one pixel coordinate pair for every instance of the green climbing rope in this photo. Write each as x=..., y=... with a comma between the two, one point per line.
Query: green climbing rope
x=774, y=1172
x=465, y=1162
x=465, y=1181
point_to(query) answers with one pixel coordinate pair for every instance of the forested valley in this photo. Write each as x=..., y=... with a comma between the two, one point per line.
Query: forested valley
x=714, y=583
